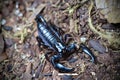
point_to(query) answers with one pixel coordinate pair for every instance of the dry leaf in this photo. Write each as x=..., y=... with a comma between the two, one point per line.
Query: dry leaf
x=97, y=46
x=36, y=11
x=27, y=75
x=3, y=57
x=72, y=25
x=1, y=43
x=28, y=68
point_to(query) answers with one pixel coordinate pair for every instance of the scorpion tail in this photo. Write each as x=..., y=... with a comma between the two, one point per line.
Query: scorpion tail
x=58, y=66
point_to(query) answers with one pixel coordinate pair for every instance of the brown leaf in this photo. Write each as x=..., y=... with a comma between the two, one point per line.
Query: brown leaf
x=72, y=25
x=9, y=42
x=27, y=76
x=97, y=46
x=1, y=43
x=3, y=57
x=55, y=75
x=105, y=59
x=28, y=68
x=5, y=11
x=36, y=11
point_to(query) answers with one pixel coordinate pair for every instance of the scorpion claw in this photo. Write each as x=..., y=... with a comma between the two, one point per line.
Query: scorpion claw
x=60, y=67
x=63, y=68
x=86, y=50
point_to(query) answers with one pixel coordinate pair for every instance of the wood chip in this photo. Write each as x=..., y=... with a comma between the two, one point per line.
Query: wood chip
x=27, y=75
x=97, y=46
x=36, y=11
x=72, y=25
x=1, y=43
x=3, y=57
x=28, y=68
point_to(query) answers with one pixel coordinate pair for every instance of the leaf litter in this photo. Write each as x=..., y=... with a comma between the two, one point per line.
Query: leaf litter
x=24, y=60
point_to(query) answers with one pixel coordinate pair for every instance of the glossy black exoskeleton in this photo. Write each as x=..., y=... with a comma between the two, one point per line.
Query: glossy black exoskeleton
x=49, y=36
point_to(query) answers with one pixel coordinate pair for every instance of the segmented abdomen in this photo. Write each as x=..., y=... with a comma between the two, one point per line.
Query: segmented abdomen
x=47, y=34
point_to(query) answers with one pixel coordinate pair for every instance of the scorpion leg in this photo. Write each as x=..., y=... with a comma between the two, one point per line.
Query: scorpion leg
x=67, y=38
x=58, y=66
x=47, y=55
x=86, y=50
x=39, y=41
x=71, y=49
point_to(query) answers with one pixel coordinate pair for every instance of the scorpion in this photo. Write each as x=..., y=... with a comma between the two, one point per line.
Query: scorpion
x=49, y=36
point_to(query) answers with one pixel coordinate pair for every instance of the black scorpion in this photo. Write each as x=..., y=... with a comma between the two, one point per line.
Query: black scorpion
x=50, y=37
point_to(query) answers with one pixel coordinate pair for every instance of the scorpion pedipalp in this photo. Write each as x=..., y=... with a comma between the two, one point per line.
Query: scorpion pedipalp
x=59, y=66
x=86, y=50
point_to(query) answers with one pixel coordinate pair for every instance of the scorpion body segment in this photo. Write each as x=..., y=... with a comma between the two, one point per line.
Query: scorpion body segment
x=50, y=37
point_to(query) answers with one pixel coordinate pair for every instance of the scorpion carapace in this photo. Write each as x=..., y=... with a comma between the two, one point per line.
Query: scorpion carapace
x=49, y=36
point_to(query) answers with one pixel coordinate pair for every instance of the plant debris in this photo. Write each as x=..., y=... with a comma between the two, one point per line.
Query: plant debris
x=97, y=46
x=112, y=37
x=1, y=43
x=22, y=59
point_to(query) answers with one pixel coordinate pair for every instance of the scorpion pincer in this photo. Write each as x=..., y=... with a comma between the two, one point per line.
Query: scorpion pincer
x=49, y=36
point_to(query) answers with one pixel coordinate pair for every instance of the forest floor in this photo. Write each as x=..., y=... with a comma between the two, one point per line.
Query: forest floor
x=24, y=60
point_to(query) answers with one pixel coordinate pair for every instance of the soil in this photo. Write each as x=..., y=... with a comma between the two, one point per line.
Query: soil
x=26, y=60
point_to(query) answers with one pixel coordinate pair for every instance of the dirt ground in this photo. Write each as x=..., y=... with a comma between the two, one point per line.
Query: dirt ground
x=24, y=60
